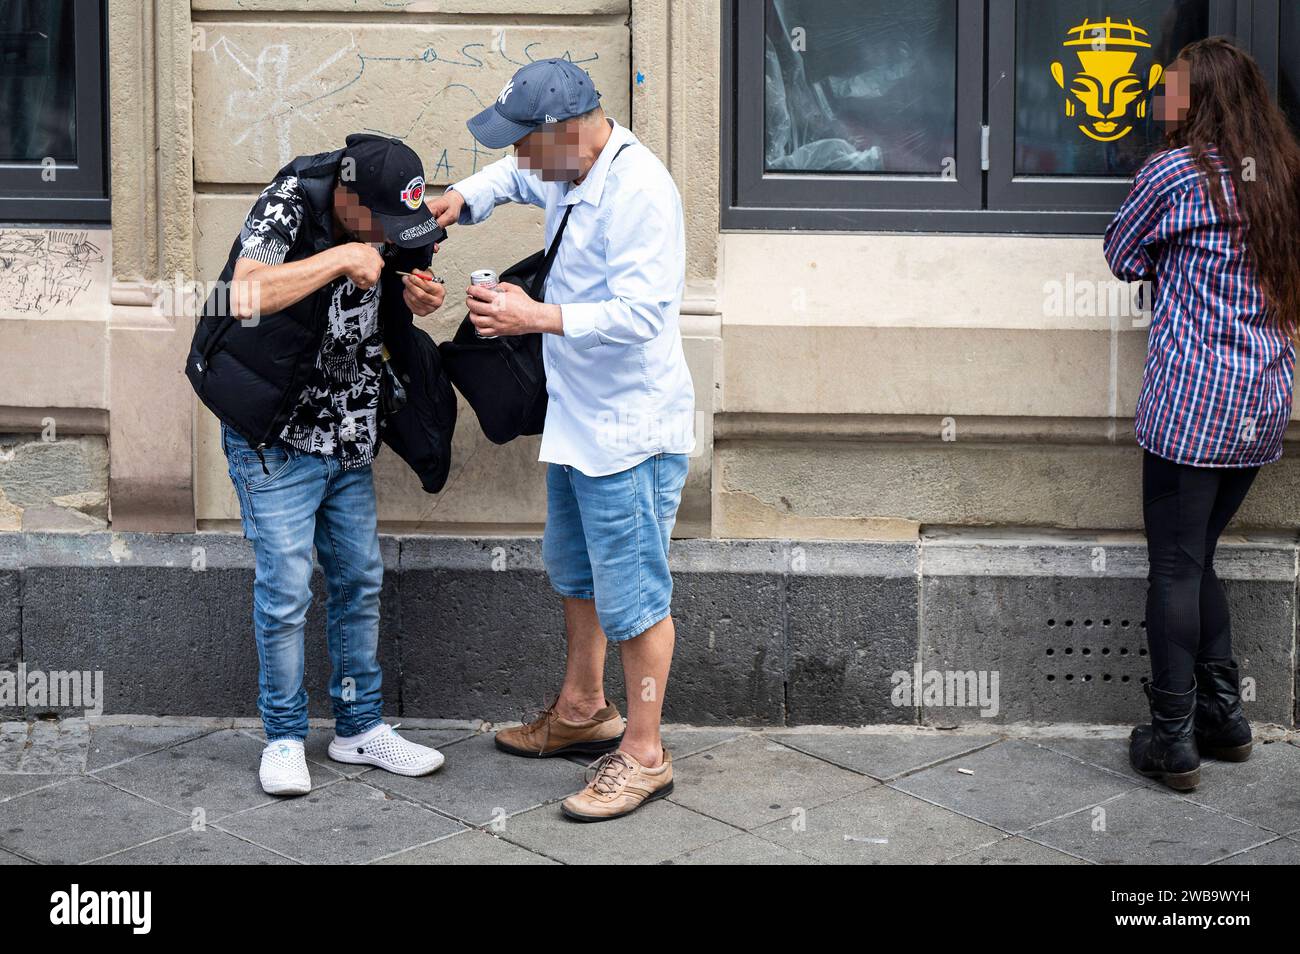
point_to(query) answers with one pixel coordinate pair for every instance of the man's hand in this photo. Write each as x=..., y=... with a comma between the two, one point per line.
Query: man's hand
x=360, y=263
x=422, y=296
x=446, y=208
x=506, y=310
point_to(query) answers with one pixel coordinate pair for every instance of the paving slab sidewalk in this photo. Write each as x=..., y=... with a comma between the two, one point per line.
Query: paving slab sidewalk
x=158, y=791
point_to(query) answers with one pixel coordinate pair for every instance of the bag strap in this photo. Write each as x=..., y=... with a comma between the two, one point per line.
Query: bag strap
x=538, y=285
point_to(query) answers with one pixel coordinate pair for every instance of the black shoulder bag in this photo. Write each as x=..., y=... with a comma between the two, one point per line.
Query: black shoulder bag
x=417, y=407
x=504, y=379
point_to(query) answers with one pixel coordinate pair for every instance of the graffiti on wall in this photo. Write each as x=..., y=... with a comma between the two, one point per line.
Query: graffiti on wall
x=43, y=270
x=276, y=97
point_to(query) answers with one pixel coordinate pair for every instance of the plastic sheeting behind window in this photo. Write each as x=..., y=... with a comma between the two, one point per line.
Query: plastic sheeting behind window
x=37, y=81
x=860, y=86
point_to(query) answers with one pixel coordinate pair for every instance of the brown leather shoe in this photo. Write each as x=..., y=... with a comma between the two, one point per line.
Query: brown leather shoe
x=619, y=787
x=548, y=735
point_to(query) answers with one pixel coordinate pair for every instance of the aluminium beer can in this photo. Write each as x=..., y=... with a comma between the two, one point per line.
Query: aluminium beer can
x=488, y=279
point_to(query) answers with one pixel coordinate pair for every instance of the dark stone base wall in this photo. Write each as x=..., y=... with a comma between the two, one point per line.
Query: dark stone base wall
x=768, y=632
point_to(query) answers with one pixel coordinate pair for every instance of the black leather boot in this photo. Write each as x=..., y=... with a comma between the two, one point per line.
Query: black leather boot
x=1222, y=731
x=1166, y=749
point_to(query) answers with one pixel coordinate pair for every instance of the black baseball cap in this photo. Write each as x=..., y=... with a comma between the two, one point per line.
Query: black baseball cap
x=547, y=91
x=388, y=177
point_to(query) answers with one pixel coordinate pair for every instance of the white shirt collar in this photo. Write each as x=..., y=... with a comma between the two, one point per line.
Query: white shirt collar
x=593, y=186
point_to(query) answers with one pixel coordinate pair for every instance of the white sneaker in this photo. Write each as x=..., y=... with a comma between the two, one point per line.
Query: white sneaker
x=284, y=768
x=383, y=747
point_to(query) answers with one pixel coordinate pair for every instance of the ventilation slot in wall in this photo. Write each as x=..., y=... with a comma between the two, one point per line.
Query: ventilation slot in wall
x=1102, y=652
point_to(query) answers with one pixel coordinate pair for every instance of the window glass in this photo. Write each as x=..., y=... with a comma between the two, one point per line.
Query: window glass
x=860, y=86
x=1289, y=74
x=1086, y=71
x=37, y=81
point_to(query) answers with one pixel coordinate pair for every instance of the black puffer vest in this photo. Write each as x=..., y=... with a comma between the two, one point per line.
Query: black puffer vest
x=251, y=374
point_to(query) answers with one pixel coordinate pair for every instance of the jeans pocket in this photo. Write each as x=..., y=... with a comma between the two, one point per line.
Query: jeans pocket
x=670, y=478
x=259, y=471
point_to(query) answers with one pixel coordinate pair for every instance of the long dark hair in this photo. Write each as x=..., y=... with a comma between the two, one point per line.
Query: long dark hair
x=1231, y=111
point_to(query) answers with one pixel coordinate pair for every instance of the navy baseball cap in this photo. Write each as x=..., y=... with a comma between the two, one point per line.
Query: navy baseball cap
x=388, y=177
x=548, y=91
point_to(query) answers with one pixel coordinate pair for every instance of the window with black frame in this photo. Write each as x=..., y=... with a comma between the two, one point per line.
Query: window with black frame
x=1084, y=84
x=843, y=105
x=1074, y=120
x=51, y=99
x=956, y=115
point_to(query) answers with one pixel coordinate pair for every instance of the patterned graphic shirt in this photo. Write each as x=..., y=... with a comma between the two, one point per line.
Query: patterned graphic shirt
x=337, y=412
x=1216, y=391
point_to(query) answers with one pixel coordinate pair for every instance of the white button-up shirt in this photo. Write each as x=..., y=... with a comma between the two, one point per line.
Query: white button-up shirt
x=618, y=386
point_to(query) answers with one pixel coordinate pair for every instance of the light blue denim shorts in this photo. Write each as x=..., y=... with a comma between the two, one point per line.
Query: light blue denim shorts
x=607, y=539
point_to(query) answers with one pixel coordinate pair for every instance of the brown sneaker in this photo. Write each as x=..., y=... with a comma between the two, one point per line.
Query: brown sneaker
x=549, y=735
x=619, y=787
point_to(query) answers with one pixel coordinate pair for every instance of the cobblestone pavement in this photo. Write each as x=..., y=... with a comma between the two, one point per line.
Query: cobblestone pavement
x=158, y=791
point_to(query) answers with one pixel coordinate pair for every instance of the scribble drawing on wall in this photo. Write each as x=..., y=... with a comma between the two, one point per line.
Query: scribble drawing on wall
x=44, y=270
x=274, y=96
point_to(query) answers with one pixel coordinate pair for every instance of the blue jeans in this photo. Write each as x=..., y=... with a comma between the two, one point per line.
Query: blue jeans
x=299, y=501
x=607, y=539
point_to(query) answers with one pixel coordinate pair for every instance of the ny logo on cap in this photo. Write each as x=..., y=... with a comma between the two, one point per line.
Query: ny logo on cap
x=506, y=91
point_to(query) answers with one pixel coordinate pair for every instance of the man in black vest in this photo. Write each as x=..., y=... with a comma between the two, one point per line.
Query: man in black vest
x=294, y=368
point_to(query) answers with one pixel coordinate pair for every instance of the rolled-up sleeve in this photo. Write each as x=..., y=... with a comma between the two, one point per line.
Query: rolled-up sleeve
x=645, y=268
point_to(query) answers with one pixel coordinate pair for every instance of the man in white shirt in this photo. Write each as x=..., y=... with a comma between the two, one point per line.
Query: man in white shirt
x=620, y=414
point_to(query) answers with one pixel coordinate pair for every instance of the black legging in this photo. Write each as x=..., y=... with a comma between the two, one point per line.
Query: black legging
x=1185, y=509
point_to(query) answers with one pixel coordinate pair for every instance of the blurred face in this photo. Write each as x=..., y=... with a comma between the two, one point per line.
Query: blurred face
x=554, y=152
x=1175, y=96
x=355, y=217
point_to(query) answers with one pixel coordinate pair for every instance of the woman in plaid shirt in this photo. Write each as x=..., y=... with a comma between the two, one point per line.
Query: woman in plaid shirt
x=1213, y=223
